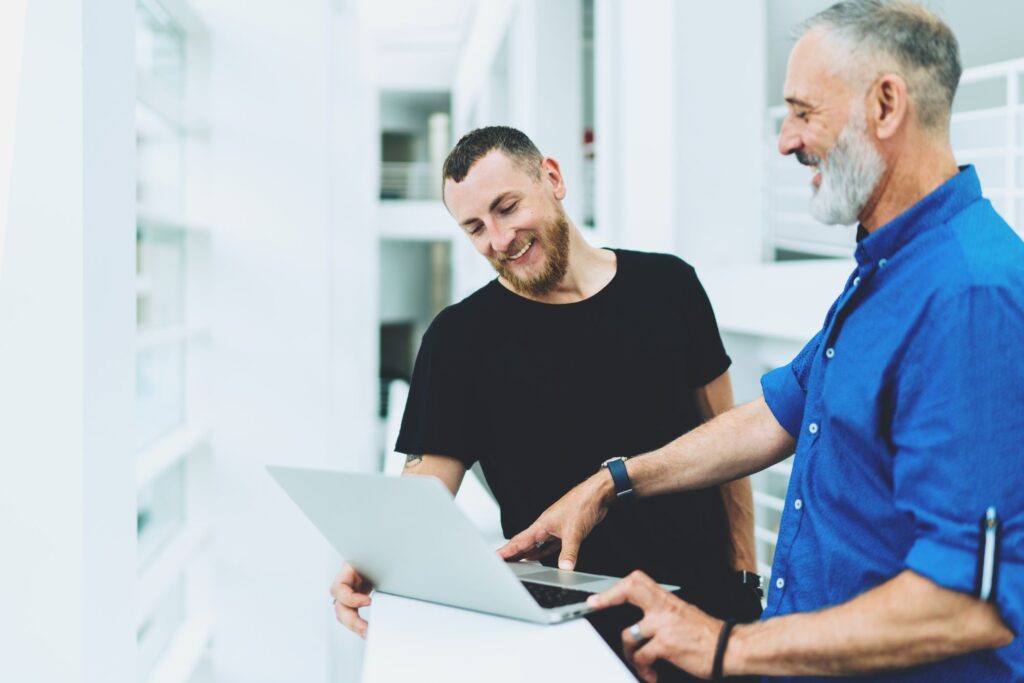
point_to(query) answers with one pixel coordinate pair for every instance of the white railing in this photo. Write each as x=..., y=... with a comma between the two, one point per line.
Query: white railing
x=990, y=137
x=409, y=180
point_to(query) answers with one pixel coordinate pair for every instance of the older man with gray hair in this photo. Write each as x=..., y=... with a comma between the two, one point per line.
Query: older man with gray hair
x=901, y=547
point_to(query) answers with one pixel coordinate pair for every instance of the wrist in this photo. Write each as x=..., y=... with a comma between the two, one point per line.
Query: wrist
x=604, y=487
x=735, y=661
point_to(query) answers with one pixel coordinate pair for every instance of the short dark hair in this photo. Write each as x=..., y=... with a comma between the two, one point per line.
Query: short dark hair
x=919, y=45
x=475, y=144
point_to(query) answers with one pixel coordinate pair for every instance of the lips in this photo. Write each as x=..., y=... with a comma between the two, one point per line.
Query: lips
x=521, y=252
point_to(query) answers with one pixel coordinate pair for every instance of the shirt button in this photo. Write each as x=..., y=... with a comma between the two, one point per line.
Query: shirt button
x=798, y=503
x=856, y=281
x=882, y=262
x=830, y=352
x=813, y=428
x=780, y=582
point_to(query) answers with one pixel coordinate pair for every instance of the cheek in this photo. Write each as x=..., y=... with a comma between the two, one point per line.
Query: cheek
x=482, y=245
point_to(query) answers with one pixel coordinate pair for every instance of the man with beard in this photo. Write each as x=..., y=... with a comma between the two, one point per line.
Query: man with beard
x=571, y=356
x=902, y=541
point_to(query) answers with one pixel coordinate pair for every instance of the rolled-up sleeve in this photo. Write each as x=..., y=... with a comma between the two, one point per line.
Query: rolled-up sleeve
x=958, y=437
x=785, y=388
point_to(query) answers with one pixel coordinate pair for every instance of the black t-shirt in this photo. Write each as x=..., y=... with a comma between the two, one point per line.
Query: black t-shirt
x=542, y=394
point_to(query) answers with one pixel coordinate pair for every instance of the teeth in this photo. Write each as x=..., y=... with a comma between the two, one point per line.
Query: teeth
x=522, y=251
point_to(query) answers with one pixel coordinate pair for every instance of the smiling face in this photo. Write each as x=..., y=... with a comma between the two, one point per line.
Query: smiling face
x=514, y=220
x=827, y=130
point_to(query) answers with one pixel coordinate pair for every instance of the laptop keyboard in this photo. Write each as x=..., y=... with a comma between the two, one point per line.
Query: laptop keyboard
x=554, y=596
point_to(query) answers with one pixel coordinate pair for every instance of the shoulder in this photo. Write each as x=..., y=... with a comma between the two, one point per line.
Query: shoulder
x=980, y=255
x=460, y=322
x=656, y=267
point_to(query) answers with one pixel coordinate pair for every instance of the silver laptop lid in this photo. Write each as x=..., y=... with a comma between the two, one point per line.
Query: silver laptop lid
x=406, y=535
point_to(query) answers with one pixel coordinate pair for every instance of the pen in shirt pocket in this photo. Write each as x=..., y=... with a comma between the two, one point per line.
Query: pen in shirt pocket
x=988, y=556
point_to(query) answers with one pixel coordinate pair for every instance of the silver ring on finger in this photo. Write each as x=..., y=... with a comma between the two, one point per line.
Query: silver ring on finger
x=638, y=635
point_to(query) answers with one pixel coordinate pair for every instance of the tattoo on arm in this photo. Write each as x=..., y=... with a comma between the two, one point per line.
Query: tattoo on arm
x=413, y=460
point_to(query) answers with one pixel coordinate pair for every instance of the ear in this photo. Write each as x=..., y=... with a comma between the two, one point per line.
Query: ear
x=552, y=174
x=888, y=105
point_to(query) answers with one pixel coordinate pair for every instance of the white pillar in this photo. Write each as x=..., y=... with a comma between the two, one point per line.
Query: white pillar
x=719, y=122
x=439, y=143
x=635, y=123
x=67, y=332
x=294, y=323
x=545, y=64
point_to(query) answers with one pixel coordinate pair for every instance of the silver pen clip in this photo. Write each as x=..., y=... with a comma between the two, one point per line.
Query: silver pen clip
x=988, y=565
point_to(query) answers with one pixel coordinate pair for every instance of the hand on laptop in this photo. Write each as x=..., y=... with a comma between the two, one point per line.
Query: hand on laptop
x=568, y=522
x=351, y=591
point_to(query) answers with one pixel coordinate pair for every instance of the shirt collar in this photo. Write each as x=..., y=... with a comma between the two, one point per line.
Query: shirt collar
x=937, y=207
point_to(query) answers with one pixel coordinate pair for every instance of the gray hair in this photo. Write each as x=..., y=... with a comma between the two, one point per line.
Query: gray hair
x=883, y=36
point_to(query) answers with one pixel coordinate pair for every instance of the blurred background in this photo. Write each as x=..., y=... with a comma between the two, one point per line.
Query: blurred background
x=221, y=240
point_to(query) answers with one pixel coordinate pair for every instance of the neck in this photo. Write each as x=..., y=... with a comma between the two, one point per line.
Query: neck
x=915, y=171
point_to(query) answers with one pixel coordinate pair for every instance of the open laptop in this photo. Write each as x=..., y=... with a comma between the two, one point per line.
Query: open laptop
x=407, y=536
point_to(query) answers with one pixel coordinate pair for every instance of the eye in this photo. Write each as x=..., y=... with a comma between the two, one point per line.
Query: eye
x=510, y=208
x=802, y=115
x=475, y=230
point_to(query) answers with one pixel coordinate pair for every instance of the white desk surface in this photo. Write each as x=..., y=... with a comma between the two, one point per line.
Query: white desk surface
x=410, y=640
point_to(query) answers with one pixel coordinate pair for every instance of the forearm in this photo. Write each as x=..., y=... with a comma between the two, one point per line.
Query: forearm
x=449, y=470
x=739, y=508
x=904, y=622
x=739, y=442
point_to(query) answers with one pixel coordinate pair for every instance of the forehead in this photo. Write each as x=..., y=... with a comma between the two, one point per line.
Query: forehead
x=492, y=174
x=811, y=74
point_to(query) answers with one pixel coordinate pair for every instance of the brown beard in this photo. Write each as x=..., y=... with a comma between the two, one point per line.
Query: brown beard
x=554, y=238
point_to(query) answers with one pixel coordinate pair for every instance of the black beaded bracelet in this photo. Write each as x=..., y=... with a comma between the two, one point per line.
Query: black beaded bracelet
x=723, y=640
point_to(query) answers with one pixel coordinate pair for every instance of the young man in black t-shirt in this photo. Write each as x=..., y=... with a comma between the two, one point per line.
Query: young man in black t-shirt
x=572, y=356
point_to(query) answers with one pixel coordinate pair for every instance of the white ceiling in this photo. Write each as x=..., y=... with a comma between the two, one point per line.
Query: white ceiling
x=416, y=42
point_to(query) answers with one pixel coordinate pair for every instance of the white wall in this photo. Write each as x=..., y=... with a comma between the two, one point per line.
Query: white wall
x=67, y=326
x=294, y=159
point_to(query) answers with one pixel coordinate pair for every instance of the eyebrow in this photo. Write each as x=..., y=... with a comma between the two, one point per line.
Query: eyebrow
x=797, y=102
x=494, y=204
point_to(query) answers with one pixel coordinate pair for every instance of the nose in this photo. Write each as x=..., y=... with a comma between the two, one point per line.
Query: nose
x=501, y=237
x=789, y=139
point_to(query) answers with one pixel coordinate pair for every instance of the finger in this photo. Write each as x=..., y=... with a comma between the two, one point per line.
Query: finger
x=345, y=595
x=644, y=658
x=637, y=589
x=520, y=545
x=648, y=629
x=350, y=619
x=540, y=550
x=348, y=576
x=570, y=548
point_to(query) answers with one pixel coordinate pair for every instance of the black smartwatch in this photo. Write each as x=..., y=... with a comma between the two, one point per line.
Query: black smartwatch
x=752, y=580
x=617, y=468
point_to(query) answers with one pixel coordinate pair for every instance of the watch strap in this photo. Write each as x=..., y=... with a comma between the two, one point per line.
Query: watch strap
x=623, y=485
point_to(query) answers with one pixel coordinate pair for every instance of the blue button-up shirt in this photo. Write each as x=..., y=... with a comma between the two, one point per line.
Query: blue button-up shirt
x=908, y=410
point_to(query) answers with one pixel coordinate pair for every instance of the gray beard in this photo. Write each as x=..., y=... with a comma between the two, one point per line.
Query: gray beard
x=848, y=176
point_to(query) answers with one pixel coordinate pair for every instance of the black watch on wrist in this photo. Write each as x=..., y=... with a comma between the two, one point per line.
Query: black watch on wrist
x=752, y=580
x=617, y=468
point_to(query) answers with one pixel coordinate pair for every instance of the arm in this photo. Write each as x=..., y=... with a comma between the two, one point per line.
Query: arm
x=734, y=444
x=350, y=590
x=714, y=399
x=449, y=470
x=904, y=622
